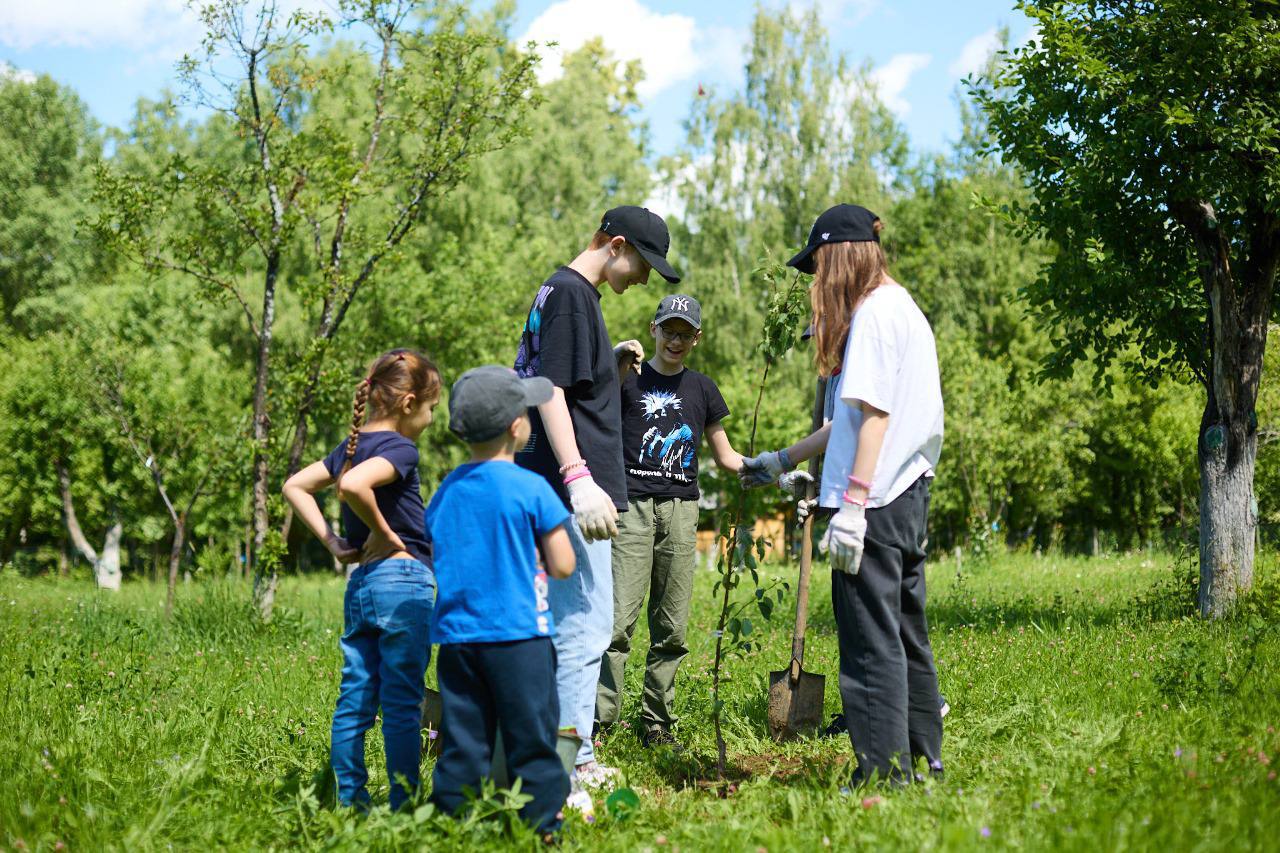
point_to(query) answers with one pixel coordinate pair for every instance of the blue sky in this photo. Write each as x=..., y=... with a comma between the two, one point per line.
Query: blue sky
x=114, y=51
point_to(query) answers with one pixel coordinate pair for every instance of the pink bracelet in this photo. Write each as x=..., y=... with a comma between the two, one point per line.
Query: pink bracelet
x=850, y=499
x=569, y=466
x=857, y=482
x=585, y=472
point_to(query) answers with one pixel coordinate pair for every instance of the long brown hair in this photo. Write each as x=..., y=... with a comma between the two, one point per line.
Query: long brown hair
x=844, y=273
x=393, y=376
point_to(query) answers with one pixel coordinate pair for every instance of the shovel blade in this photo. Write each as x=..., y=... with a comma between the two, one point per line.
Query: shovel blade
x=795, y=708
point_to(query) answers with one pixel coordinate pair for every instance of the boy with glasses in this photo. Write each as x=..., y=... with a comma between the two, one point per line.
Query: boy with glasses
x=666, y=410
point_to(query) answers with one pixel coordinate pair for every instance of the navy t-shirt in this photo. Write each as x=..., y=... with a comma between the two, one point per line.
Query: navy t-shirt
x=400, y=502
x=663, y=418
x=566, y=341
x=485, y=521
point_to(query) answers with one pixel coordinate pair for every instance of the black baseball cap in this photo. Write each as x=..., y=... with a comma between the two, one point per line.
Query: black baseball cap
x=844, y=223
x=485, y=400
x=645, y=230
x=678, y=305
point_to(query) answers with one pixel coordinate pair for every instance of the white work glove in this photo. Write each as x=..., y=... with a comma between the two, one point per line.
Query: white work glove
x=593, y=509
x=629, y=355
x=844, y=538
x=797, y=483
x=763, y=469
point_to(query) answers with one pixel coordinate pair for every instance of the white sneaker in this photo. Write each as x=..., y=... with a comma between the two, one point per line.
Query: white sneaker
x=593, y=774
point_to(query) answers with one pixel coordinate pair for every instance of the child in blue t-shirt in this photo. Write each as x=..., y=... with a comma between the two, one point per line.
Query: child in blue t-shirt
x=387, y=607
x=497, y=666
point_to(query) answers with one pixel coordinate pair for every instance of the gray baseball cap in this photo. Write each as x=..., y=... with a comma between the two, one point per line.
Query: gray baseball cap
x=679, y=305
x=485, y=400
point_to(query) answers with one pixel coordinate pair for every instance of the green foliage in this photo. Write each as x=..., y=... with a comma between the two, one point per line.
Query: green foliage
x=1122, y=116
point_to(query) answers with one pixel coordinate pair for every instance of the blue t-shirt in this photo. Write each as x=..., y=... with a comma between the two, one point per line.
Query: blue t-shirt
x=485, y=521
x=400, y=502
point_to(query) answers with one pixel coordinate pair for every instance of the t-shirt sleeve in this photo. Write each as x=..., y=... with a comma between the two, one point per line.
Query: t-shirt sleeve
x=717, y=409
x=871, y=363
x=336, y=459
x=403, y=456
x=548, y=510
x=565, y=343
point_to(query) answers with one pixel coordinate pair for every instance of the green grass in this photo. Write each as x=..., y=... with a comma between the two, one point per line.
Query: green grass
x=1089, y=712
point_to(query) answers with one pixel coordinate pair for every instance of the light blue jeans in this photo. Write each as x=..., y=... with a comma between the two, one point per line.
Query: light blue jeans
x=582, y=606
x=385, y=650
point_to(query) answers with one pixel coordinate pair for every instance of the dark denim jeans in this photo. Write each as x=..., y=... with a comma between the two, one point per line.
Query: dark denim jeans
x=385, y=650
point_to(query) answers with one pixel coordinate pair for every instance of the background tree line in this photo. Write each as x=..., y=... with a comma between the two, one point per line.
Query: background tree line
x=134, y=391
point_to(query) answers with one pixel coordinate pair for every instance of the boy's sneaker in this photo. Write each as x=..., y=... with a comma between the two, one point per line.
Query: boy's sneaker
x=660, y=737
x=580, y=801
x=593, y=774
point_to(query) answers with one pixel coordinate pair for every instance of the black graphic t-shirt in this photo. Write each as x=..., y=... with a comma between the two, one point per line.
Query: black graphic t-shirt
x=663, y=418
x=565, y=340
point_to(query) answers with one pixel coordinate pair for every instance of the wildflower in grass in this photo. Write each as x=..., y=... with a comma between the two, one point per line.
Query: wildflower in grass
x=986, y=832
x=1177, y=752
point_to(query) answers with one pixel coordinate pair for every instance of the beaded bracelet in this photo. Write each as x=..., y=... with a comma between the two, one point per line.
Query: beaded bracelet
x=585, y=472
x=850, y=499
x=569, y=466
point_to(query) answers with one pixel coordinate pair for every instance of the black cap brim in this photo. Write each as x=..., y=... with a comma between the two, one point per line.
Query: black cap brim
x=660, y=264
x=803, y=260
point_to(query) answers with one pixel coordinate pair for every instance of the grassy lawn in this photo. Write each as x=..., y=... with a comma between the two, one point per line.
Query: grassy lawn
x=1089, y=712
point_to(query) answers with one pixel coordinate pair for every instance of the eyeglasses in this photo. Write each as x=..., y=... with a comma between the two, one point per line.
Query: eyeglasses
x=682, y=337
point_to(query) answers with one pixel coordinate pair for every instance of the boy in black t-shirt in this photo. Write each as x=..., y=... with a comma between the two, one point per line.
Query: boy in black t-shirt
x=666, y=410
x=576, y=443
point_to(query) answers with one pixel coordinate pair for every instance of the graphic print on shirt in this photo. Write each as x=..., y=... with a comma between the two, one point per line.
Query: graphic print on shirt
x=664, y=448
x=527, y=356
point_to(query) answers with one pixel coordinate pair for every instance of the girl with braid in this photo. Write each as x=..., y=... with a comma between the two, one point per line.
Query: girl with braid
x=390, y=596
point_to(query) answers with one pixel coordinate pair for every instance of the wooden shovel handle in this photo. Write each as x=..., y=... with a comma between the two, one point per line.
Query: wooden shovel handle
x=806, y=546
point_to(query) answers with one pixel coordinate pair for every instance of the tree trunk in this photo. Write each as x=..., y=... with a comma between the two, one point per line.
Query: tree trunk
x=264, y=570
x=107, y=568
x=1227, y=520
x=1239, y=298
x=175, y=558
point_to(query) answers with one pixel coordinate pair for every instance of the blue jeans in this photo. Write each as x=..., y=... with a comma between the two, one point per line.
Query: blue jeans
x=385, y=650
x=582, y=606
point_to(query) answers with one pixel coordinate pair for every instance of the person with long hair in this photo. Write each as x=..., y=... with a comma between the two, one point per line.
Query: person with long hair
x=387, y=607
x=882, y=446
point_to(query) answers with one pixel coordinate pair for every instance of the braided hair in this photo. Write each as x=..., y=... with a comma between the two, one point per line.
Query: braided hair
x=393, y=376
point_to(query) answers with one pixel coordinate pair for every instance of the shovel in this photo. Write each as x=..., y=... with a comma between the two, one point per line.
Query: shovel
x=796, y=696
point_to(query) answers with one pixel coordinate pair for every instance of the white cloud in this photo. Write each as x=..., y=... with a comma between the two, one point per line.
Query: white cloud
x=975, y=53
x=93, y=23
x=892, y=78
x=8, y=72
x=669, y=46
x=158, y=29
x=845, y=13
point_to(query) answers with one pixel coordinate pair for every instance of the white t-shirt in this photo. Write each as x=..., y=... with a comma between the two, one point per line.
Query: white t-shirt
x=891, y=363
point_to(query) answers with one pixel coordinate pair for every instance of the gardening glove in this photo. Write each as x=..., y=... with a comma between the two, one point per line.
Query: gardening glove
x=629, y=355
x=593, y=509
x=804, y=508
x=798, y=483
x=844, y=538
x=763, y=469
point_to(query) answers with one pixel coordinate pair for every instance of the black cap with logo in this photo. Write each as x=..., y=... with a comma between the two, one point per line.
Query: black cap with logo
x=646, y=231
x=844, y=223
x=677, y=305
